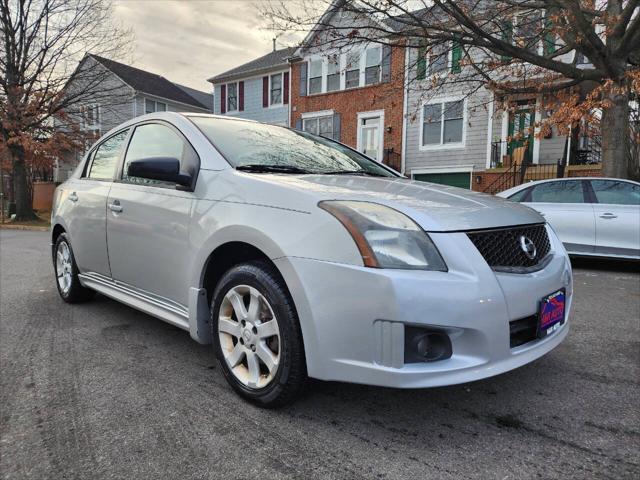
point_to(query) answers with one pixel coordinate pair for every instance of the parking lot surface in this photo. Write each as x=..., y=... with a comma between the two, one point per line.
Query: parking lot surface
x=101, y=391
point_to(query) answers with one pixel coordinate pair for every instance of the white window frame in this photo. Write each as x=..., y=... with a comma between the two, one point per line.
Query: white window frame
x=373, y=114
x=359, y=52
x=226, y=100
x=447, y=69
x=155, y=105
x=456, y=169
x=281, y=89
x=323, y=74
x=363, y=66
x=317, y=116
x=444, y=146
x=97, y=118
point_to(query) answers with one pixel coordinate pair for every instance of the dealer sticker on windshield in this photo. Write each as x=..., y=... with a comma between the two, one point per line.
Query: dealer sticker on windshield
x=551, y=314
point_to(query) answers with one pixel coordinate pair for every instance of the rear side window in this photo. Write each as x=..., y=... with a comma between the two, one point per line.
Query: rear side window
x=106, y=157
x=156, y=140
x=520, y=196
x=567, y=191
x=616, y=193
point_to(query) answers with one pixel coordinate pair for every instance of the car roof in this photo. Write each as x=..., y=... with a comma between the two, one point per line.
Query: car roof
x=518, y=188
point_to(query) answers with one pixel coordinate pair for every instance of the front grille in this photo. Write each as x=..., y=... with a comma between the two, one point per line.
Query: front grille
x=523, y=331
x=502, y=249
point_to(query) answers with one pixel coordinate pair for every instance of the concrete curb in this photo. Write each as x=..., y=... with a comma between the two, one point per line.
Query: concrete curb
x=32, y=228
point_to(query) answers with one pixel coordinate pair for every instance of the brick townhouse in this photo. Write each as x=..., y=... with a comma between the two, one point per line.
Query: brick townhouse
x=352, y=93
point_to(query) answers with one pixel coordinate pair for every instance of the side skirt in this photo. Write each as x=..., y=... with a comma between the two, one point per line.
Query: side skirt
x=166, y=310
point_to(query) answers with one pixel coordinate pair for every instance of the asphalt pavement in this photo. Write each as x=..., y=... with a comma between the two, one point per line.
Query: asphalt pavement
x=102, y=391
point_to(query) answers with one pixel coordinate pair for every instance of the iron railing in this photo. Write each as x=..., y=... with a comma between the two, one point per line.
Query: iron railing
x=392, y=159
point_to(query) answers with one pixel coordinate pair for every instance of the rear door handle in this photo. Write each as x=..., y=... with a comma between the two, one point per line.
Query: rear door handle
x=115, y=206
x=73, y=197
x=608, y=215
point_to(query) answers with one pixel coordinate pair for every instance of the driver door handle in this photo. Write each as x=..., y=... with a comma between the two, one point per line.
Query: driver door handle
x=608, y=215
x=115, y=206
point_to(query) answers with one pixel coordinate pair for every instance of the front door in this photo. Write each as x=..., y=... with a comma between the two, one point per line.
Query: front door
x=370, y=136
x=148, y=220
x=521, y=130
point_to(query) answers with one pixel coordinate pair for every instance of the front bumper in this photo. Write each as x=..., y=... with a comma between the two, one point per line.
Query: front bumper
x=353, y=318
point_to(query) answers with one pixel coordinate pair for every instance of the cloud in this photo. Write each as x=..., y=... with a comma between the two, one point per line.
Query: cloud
x=190, y=41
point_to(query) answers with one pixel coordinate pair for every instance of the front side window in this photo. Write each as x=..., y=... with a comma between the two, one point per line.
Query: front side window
x=322, y=126
x=106, y=157
x=566, y=191
x=372, y=67
x=616, y=193
x=315, y=76
x=276, y=89
x=443, y=123
x=248, y=143
x=153, y=140
x=352, y=75
x=520, y=196
x=333, y=74
x=232, y=97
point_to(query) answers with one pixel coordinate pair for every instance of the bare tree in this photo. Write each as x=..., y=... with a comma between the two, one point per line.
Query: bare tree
x=582, y=56
x=42, y=43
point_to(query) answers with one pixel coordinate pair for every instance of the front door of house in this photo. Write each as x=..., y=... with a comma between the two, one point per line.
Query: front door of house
x=521, y=124
x=370, y=136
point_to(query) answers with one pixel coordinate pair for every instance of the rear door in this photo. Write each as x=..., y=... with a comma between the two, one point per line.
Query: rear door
x=563, y=204
x=617, y=215
x=148, y=220
x=84, y=207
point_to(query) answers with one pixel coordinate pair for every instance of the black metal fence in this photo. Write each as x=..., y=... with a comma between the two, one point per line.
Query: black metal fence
x=392, y=159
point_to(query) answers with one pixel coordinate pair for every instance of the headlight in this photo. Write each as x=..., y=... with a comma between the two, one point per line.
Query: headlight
x=385, y=237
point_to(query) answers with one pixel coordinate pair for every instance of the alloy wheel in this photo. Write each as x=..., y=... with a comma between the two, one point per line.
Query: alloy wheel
x=64, y=267
x=249, y=336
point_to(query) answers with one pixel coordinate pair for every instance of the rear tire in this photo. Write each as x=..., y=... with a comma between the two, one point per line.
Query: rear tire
x=66, y=271
x=256, y=335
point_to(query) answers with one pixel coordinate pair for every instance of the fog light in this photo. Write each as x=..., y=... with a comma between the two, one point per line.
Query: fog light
x=425, y=345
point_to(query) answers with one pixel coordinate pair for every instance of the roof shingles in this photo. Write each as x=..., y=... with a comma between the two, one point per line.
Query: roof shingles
x=271, y=60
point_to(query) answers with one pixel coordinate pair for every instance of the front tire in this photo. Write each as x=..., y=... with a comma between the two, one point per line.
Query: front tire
x=66, y=270
x=256, y=335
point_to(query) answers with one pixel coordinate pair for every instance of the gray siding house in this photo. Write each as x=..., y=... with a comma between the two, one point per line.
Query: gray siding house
x=121, y=92
x=258, y=90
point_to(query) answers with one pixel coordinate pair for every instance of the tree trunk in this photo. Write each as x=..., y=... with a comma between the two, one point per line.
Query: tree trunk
x=615, y=137
x=22, y=196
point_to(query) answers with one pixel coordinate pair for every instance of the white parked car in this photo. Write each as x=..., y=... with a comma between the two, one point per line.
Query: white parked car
x=297, y=256
x=592, y=216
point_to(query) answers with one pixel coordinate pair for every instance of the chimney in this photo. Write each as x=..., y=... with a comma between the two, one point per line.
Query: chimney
x=274, y=44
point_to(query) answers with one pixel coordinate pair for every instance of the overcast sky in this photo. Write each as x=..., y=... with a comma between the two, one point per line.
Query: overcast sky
x=191, y=40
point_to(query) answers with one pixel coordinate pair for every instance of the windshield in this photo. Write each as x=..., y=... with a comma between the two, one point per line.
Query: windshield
x=254, y=146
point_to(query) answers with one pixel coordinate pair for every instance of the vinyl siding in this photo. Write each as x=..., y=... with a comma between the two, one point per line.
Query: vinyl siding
x=253, y=108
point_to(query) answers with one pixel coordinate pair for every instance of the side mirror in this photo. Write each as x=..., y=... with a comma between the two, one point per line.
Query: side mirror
x=165, y=169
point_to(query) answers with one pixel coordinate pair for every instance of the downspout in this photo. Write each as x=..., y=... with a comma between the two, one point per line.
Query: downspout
x=490, y=130
x=405, y=108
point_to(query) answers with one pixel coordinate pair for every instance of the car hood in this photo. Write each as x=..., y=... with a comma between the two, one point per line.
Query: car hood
x=434, y=207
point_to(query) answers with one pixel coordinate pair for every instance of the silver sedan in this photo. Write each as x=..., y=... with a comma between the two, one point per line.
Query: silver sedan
x=592, y=216
x=296, y=257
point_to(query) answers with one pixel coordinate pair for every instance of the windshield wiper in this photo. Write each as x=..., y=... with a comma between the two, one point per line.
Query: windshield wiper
x=353, y=172
x=266, y=168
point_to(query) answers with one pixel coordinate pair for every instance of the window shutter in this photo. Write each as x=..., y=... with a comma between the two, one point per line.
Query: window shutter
x=456, y=56
x=336, y=127
x=421, y=64
x=285, y=89
x=303, y=79
x=299, y=124
x=241, y=96
x=223, y=99
x=386, y=63
x=507, y=36
x=265, y=92
x=549, y=41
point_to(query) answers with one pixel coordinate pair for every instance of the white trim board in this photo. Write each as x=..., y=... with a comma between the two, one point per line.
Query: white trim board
x=381, y=127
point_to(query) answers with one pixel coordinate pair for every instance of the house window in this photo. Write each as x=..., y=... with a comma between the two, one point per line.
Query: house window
x=90, y=115
x=315, y=76
x=352, y=75
x=443, y=123
x=275, y=95
x=372, y=67
x=438, y=58
x=151, y=106
x=333, y=73
x=322, y=126
x=232, y=97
